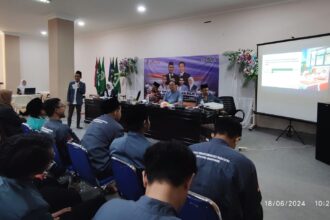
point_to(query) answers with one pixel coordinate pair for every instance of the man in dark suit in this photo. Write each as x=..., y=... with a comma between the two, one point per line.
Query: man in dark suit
x=183, y=74
x=76, y=93
x=171, y=76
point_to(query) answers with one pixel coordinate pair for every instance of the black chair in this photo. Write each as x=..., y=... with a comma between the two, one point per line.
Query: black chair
x=230, y=108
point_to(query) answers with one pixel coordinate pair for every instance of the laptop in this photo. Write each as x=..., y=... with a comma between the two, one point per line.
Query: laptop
x=30, y=91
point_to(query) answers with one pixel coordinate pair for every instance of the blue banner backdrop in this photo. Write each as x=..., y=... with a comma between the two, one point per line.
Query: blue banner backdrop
x=198, y=69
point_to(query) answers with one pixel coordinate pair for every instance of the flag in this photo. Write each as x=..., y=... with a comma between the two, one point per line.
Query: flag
x=111, y=69
x=101, y=80
x=95, y=74
x=114, y=75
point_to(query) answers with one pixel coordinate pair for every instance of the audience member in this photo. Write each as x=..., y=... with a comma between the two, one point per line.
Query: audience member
x=226, y=176
x=100, y=134
x=61, y=133
x=10, y=122
x=133, y=145
x=22, y=158
x=35, y=112
x=169, y=169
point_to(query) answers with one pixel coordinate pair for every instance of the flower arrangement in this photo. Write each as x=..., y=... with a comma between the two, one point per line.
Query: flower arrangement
x=127, y=66
x=248, y=63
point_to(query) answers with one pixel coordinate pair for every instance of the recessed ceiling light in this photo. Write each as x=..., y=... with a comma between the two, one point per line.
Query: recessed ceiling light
x=141, y=8
x=81, y=23
x=43, y=33
x=45, y=1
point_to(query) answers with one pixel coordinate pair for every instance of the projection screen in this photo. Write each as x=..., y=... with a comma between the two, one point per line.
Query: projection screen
x=294, y=77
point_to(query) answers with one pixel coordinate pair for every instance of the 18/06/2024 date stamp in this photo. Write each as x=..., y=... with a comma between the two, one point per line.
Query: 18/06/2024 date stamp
x=297, y=203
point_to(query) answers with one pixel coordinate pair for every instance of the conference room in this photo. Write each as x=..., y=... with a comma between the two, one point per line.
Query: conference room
x=176, y=109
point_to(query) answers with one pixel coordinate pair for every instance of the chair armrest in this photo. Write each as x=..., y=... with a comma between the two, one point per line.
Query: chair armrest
x=240, y=110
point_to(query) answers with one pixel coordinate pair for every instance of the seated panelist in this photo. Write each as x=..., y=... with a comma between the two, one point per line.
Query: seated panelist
x=173, y=96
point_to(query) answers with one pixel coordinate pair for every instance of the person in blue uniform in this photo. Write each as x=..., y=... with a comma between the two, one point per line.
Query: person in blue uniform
x=133, y=145
x=205, y=96
x=61, y=133
x=100, y=134
x=173, y=96
x=226, y=176
x=22, y=157
x=169, y=168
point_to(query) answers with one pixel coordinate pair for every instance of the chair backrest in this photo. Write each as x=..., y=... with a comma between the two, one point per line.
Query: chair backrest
x=198, y=207
x=81, y=163
x=26, y=128
x=128, y=180
x=228, y=104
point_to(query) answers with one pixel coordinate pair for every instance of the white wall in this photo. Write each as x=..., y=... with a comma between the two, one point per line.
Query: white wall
x=228, y=31
x=34, y=62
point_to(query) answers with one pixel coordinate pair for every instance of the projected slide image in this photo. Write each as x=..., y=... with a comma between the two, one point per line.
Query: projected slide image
x=307, y=70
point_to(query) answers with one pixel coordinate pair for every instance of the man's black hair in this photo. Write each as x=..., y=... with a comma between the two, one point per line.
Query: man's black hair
x=170, y=63
x=228, y=126
x=169, y=161
x=110, y=105
x=34, y=108
x=24, y=155
x=181, y=62
x=50, y=105
x=79, y=73
x=136, y=117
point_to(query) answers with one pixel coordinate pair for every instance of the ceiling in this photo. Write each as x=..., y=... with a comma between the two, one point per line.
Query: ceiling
x=29, y=17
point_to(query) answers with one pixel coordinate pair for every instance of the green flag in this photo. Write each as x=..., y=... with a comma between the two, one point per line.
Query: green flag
x=114, y=75
x=101, y=80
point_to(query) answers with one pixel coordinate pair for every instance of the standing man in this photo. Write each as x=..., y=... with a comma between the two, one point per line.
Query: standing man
x=183, y=74
x=76, y=93
x=171, y=76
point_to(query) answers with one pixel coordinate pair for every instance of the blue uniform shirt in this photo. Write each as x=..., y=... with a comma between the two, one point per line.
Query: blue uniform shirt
x=173, y=97
x=62, y=134
x=145, y=208
x=228, y=178
x=97, y=139
x=21, y=201
x=130, y=148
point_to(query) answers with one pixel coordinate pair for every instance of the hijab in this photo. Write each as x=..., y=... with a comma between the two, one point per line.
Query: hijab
x=22, y=87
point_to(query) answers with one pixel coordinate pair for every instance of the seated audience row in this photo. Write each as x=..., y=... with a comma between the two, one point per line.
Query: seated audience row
x=224, y=175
